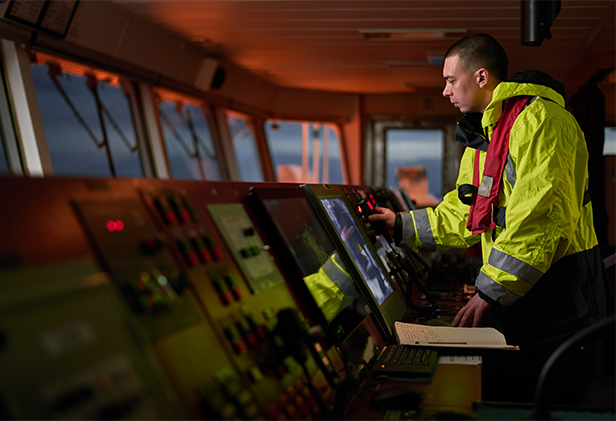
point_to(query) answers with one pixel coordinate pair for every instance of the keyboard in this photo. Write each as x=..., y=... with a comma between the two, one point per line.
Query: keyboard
x=405, y=361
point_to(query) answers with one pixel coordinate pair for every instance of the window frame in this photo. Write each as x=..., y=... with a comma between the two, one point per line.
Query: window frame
x=304, y=158
x=375, y=163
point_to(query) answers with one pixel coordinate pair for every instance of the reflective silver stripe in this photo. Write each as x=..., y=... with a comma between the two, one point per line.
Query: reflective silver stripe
x=424, y=232
x=495, y=291
x=514, y=266
x=408, y=228
x=510, y=171
x=338, y=277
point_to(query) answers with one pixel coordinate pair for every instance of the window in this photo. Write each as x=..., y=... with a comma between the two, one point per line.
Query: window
x=609, y=147
x=188, y=138
x=87, y=120
x=8, y=141
x=4, y=167
x=414, y=162
x=245, y=147
x=304, y=152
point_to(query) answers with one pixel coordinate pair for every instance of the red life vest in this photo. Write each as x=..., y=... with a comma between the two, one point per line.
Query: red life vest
x=484, y=201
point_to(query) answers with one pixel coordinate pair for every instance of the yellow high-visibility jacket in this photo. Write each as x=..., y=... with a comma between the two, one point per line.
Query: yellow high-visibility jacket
x=331, y=287
x=542, y=215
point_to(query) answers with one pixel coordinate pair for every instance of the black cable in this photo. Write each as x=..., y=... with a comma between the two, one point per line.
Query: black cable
x=407, y=266
x=540, y=411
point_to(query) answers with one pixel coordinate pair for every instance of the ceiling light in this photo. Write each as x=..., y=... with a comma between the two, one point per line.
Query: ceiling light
x=411, y=34
x=436, y=58
x=204, y=42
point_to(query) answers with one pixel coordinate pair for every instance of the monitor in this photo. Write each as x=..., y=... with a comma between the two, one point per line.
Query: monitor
x=311, y=261
x=362, y=260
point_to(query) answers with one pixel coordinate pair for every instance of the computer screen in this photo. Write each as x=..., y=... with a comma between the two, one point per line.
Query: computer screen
x=362, y=260
x=311, y=260
x=357, y=245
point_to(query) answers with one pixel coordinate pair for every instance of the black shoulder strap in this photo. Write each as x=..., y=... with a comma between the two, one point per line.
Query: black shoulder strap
x=466, y=192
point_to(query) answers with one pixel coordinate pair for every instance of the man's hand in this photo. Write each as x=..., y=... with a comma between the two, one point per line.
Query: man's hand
x=387, y=216
x=473, y=312
x=347, y=232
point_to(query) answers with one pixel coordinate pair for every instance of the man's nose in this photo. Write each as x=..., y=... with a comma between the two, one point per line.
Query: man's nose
x=446, y=91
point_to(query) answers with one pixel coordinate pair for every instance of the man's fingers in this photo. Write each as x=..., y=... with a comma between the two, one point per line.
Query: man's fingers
x=466, y=318
x=384, y=214
x=458, y=318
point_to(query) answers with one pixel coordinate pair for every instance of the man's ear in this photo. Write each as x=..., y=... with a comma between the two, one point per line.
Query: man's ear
x=482, y=76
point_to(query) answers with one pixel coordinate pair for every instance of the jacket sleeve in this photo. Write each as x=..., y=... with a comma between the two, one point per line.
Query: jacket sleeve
x=442, y=227
x=544, y=204
x=331, y=287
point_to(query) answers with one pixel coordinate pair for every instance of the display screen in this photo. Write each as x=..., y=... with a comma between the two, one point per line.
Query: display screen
x=357, y=246
x=311, y=259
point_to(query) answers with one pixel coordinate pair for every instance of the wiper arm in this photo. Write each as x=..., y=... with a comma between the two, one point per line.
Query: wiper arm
x=53, y=74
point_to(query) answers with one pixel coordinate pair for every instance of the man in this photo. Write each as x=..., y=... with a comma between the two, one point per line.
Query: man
x=542, y=276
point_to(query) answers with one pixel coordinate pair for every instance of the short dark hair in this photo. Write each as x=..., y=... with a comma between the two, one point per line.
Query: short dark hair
x=481, y=50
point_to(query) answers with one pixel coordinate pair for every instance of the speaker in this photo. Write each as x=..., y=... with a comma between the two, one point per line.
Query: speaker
x=210, y=75
x=537, y=17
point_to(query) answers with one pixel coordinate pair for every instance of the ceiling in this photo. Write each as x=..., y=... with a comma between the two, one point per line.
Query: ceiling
x=319, y=45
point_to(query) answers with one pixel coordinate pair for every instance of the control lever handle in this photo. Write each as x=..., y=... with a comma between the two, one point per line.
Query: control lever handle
x=366, y=209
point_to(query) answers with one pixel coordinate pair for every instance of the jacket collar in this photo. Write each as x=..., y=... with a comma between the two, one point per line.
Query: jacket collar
x=528, y=83
x=471, y=129
x=469, y=132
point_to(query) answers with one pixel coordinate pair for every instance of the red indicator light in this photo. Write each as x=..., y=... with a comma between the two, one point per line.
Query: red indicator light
x=359, y=209
x=115, y=226
x=370, y=206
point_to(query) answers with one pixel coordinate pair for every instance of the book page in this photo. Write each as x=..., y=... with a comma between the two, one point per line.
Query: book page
x=477, y=337
x=461, y=359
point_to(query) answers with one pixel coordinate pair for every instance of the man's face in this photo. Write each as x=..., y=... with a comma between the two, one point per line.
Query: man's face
x=461, y=87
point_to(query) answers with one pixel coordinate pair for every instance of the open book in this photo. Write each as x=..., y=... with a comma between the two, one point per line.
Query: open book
x=457, y=337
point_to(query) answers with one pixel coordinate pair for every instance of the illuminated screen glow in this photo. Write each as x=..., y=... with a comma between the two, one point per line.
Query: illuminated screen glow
x=311, y=247
x=357, y=246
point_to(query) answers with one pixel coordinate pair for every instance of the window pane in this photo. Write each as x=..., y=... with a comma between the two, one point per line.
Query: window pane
x=285, y=140
x=188, y=140
x=414, y=162
x=609, y=147
x=73, y=129
x=334, y=175
x=245, y=147
x=4, y=167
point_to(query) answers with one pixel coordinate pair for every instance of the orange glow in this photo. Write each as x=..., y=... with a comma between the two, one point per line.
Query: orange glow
x=78, y=69
x=163, y=95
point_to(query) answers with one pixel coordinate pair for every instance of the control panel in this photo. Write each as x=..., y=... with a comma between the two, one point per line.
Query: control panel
x=160, y=299
x=198, y=288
